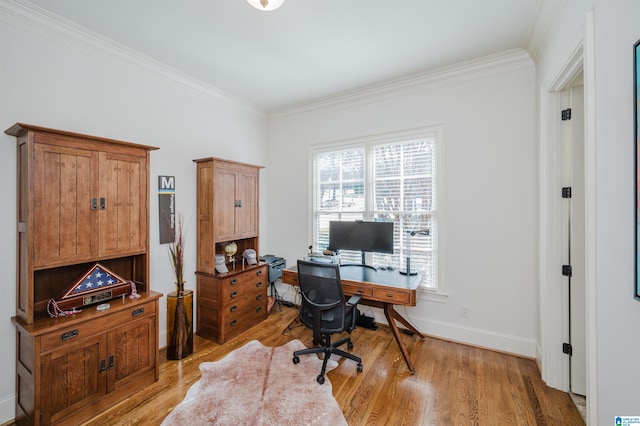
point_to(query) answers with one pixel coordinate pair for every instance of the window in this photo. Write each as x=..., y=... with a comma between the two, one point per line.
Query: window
x=382, y=180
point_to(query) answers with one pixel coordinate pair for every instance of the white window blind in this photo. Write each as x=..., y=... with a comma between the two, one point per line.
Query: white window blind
x=382, y=181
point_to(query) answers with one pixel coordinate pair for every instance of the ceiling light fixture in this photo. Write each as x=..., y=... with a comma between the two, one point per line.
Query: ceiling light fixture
x=266, y=4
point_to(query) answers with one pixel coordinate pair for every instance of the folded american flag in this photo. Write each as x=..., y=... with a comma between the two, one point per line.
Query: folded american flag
x=97, y=278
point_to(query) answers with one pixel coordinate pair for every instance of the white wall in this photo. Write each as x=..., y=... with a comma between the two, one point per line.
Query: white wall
x=614, y=384
x=86, y=90
x=487, y=113
x=617, y=313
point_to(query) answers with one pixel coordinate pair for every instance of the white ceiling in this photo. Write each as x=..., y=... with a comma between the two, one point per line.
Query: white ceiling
x=307, y=49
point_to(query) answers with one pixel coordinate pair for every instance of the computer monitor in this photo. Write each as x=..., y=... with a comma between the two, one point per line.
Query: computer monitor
x=361, y=236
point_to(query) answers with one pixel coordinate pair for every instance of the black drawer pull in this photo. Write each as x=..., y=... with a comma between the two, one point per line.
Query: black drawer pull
x=111, y=362
x=259, y=297
x=94, y=203
x=69, y=335
x=233, y=294
x=232, y=323
x=103, y=366
x=233, y=281
x=259, y=284
x=233, y=308
x=103, y=203
x=259, y=272
x=259, y=309
x=137, y=312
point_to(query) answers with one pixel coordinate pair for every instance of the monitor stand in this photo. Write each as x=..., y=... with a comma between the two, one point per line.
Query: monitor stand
x=362, y=265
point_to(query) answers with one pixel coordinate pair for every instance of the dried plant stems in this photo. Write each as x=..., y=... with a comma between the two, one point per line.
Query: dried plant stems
x=176, y=252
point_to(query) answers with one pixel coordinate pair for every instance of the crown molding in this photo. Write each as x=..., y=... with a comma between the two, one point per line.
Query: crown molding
x=544, y=15
x=41, y=22
x=506, y=61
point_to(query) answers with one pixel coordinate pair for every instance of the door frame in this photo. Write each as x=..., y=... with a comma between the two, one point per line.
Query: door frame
x=553, y=302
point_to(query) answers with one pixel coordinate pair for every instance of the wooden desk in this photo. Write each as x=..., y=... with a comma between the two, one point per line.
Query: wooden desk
x=379, y=288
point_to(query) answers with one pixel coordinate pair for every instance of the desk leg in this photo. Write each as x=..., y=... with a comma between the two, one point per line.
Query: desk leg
x=406, y=323
x=392, y=316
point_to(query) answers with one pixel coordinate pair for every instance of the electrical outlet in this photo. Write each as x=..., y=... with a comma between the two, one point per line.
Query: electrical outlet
x=464, y=311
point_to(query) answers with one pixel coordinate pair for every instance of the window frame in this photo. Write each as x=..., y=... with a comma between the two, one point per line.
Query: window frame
x=438, y=292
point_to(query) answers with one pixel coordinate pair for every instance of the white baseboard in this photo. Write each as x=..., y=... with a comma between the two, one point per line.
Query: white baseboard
x=488, y=339
x=472, y=336
x=7, y=409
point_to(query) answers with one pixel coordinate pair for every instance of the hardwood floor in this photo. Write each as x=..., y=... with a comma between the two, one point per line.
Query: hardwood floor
x=454, y=384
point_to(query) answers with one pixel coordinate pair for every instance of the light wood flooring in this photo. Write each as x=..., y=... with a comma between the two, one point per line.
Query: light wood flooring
x=454, y=384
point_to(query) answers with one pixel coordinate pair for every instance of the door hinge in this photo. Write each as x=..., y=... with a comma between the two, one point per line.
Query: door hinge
x=567, y=349
x=566, y=114
x=566, y=192
x=566, y=270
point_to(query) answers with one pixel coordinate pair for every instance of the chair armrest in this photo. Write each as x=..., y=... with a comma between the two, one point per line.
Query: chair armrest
x=354, y=300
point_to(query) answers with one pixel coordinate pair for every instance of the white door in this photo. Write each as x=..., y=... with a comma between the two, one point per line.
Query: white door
x=576, y=241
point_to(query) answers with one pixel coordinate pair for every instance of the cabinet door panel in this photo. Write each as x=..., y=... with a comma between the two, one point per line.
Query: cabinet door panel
x=247, y=214
x=62, y=201
x=122, y=217
x=224, y=205
x=134, y=346
x=71, y=377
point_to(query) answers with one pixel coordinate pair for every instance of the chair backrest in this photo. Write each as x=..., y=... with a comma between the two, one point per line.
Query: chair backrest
x=323, y=303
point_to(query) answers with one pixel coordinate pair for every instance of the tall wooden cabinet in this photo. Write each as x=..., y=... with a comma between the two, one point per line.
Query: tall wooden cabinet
x=81, y=200
x=228, y=211
x=227, y=206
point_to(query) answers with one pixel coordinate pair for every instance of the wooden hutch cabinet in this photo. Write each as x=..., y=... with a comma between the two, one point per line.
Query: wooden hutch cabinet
x=227, y=211
x=81, y=200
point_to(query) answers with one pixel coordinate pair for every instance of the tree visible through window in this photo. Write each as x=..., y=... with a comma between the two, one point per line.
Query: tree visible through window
x=382, y=181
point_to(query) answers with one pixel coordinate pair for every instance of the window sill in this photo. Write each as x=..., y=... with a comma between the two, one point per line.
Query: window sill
x=432, y=295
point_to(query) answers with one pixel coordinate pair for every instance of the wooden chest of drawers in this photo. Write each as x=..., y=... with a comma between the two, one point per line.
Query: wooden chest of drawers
x=231, y=303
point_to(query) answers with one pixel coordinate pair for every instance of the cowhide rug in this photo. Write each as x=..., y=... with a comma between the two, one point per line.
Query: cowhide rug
x=260, y=385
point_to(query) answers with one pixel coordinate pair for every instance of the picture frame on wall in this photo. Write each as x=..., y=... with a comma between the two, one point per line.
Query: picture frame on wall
x=636, y=133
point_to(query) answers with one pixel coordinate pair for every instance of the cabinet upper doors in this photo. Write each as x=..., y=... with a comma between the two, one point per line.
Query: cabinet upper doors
x=224, y=204
x=61, y=205
x=235, y=204
x=247, y=210
x=87, y=205
x=122, y=205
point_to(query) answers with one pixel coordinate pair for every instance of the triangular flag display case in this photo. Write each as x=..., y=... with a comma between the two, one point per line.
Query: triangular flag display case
x=98, y=284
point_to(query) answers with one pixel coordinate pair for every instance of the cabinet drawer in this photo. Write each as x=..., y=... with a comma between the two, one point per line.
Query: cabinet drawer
x=256, y=277
x=355, y=289
x=257, y=290
x=243, y=318
x=393, y=296
x=51, y=341
x=242, y=305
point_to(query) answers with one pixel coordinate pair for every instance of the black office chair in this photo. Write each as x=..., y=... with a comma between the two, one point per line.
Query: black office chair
x=325, y=310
